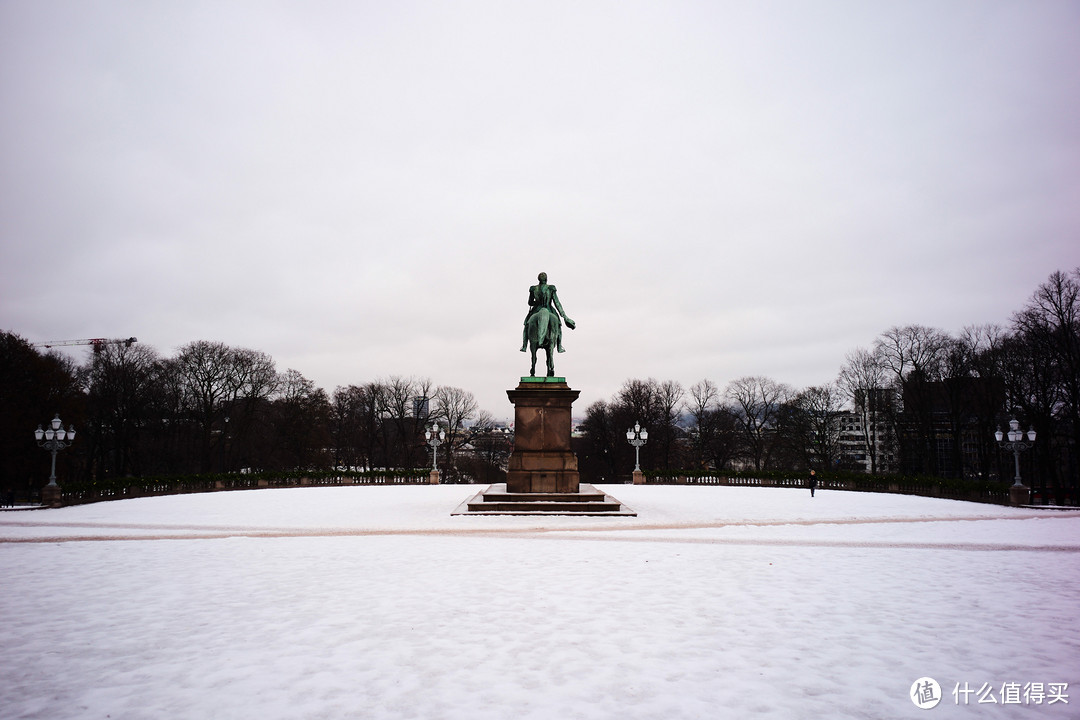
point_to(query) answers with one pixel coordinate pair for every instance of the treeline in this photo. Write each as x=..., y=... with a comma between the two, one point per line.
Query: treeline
x=212, y=408
x=918, y=402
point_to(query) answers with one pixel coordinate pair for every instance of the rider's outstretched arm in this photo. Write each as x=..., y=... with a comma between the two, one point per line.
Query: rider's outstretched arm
x=558, y=306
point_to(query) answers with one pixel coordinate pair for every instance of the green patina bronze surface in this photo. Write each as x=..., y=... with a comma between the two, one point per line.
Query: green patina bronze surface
x=541, y=380
x=543, y=328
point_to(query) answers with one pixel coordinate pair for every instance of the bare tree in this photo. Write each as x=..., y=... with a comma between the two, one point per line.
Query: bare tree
x=1051, y=321
x=254, y=375
x=598, y=455
x=724, y=432
x=669, y=395
x=455, y=408
x=32, y=387
x=704, y=396
x=1050, y=326
x=399, y=405
x=483, y=422
x=913, y=351
x=808, y=427
x=359, y=429
x=656, y=406
x=863, y=382
x=916, y=356
x=344, y=425
x=255, y=380
x=300, y=420
x=984, y=345
x=490, y=450
x=639, y=399
x=121, y=392
x=208, y=387
x=758, y=400
x=216, y=381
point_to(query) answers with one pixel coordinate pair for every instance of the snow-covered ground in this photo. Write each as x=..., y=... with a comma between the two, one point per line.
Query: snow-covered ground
x=373, y=602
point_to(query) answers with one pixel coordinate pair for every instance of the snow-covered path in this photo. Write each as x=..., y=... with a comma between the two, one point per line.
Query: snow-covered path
x=375, y=603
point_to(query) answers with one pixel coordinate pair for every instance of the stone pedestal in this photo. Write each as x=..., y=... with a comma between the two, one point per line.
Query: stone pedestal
x=1020, y=495
x=51, y=496
x=587, y=501
x=639, y=477
x=542, y=461
x=433, y=477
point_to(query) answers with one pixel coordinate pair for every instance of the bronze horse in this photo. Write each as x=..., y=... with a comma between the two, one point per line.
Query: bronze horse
x=542, y=326
x=544, y=331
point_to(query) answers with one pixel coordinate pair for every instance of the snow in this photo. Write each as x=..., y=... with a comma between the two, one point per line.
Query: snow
x=373, y=602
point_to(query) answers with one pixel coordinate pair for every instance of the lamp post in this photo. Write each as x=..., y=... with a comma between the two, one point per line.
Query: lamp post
x=435, y=436
x=1019, y=494
x=637, y=436
x=54, y=439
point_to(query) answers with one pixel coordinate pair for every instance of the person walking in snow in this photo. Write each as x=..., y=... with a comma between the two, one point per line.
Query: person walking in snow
x=813, y=482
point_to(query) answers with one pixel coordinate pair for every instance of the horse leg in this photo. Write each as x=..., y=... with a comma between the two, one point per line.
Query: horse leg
x=550, y=361
x=532, y=368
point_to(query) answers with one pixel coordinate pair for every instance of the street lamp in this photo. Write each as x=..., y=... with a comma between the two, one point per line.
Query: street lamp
x=1018, y=493
x=435, y=436
x=637, y=436
x=54, y=439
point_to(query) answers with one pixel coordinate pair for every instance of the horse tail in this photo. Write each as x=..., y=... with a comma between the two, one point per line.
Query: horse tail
x=539, y=328
x=542, y=324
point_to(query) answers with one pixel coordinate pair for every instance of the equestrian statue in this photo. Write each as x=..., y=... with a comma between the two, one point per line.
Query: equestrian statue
x=543, y=328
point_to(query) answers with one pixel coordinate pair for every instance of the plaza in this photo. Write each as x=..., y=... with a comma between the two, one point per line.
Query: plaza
x=373, y=602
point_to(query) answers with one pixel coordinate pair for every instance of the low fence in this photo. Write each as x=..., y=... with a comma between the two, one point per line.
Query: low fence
x=929, y=487
x=119, y=489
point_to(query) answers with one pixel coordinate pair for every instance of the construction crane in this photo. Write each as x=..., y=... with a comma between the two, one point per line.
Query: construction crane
x=98, y=343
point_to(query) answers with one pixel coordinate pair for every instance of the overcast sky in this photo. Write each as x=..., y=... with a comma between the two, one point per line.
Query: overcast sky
x=365, y=189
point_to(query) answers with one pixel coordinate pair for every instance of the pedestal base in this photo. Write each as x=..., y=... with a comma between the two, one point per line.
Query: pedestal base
x=433, y=477
x=1019, y=495
x=588, y=501
x=542, y=461
x=51, y=496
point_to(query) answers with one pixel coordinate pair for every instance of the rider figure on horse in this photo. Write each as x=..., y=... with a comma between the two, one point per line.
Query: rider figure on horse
x=544, y=296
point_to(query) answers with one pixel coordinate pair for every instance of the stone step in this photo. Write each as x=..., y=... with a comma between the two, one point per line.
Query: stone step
x=496, y=501
x=544, y=497
x=571, y=508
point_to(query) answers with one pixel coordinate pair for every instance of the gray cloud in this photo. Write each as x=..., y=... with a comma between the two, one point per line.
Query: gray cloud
x=368, y=189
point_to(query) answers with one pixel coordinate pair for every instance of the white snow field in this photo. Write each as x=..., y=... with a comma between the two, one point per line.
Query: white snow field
x=373, y=602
